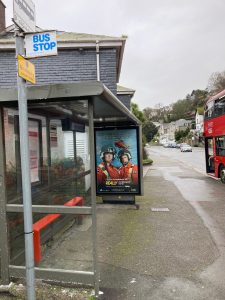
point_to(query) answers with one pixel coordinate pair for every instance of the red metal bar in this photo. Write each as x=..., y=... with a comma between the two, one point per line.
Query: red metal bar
x=44, y=222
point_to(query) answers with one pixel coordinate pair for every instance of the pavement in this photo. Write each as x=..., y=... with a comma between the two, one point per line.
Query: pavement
x=163, y=250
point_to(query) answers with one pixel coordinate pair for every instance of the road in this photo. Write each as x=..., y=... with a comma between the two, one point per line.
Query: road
x=194, y=159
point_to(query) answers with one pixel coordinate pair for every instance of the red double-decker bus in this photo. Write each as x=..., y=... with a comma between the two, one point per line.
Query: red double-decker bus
x=214, y=133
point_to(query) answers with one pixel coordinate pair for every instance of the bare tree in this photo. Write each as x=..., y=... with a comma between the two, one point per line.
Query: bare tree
x=216, y=82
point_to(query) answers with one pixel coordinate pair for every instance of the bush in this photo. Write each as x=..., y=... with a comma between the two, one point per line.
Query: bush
x=147, y=161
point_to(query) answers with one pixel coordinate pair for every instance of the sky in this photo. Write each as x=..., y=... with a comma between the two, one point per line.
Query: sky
x=173, y=46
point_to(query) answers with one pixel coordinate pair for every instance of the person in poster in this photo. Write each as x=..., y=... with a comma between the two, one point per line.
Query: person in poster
x=128, y=171
x=106, y=170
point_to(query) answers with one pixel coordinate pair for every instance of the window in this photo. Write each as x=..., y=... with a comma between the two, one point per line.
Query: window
x=215, y=108
x=220, y=146
x=219, y=107
x=210, y=146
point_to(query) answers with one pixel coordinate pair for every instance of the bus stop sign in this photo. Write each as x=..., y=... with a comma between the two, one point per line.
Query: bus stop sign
x=41, y=44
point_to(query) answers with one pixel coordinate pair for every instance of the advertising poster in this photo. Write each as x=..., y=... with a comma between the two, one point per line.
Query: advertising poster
x=117, y=161
x=34, y=151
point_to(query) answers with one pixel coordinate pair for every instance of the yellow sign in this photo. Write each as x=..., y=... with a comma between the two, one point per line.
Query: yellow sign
x=26, y=69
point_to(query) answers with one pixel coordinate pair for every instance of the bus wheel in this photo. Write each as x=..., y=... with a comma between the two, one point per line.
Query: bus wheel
x=222, y=174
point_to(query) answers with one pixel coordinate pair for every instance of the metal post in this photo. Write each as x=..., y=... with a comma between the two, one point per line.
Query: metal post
x=17, y=156
x=48, y=151
x=75, y=159
x=98, y=60
x=141, y=159
x=93, y=195
x=4, y=246
x=25, y=167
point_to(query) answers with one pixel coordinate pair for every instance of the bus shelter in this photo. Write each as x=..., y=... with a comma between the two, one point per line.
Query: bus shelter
x=62, y=124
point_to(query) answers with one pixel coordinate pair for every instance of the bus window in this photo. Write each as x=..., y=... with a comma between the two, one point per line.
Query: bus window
x=220, y=146
x=210, y=147
x=219, y=108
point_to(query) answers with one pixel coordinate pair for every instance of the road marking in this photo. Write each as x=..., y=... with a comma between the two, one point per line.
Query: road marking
x=160, y=209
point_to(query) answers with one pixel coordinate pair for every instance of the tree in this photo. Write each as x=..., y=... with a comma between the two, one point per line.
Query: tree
x=180, y=109
x=199, y=98
x=159, y=113
x=216, y=82
x=138, y=113
x=180, y=135
x=149, y=130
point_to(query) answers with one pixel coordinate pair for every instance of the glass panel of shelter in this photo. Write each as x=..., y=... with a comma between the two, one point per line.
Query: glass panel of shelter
x=59, y=162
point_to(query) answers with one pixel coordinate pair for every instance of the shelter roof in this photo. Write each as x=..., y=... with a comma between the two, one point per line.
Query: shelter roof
x=108, y=108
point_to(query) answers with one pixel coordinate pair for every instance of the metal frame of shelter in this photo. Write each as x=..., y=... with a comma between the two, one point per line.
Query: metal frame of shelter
x=104, y=109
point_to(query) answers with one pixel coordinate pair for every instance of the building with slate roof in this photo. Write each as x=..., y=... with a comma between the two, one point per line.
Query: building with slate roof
x=77, y=59
x=125, y=95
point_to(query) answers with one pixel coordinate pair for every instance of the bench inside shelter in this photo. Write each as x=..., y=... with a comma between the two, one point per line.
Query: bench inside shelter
x=44, y=222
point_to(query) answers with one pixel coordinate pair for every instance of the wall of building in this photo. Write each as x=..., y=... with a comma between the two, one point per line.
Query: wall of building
x=67, y=66
x=2, y=16
x=125, y=99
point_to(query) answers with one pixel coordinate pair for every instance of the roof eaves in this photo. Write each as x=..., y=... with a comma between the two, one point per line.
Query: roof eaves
x=2, y=3
x=121, y=90
x=120, y=59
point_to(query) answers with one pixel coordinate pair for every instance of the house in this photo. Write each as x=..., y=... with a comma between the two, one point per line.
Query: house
x=125, y=95
x=199, y=119
x=199, y=127
x=81, y=57
x=167, y=130
x=182, y=124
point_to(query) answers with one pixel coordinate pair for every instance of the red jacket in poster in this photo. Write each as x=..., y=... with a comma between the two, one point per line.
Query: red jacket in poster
x=106, y=172
x=129, y=171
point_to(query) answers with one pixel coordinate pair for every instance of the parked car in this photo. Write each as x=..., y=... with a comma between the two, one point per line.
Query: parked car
x=166, y=145
x=172, y=144
x=185, y=148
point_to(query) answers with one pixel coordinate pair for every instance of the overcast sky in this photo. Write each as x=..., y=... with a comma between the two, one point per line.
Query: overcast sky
x=173, y=46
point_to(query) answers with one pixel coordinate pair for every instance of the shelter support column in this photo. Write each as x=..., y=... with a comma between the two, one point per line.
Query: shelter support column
x=141, y=159
x=93, y=194
x=4, y=246
x=48, y=151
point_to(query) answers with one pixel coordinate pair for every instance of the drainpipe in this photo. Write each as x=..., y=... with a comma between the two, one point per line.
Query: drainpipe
x=97, y=60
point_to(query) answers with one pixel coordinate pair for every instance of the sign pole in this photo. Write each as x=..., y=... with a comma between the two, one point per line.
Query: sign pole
x=25, y=168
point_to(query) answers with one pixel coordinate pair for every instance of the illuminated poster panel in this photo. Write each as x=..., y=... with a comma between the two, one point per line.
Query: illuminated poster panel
x=117, y=161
